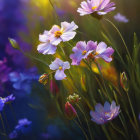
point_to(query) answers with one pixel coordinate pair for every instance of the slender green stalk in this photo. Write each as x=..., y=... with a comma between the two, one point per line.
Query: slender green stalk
x=135, y=119
x=103, y=80
x=3, y=125
x=32, y=57
x=86, y=120
x=81, y=129
x=120, y=37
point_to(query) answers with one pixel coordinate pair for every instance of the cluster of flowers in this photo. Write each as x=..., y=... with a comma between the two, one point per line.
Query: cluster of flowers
x=20, y=128
x=90, y=50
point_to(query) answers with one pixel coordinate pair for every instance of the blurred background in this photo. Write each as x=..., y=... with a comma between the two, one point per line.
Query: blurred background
x=24, y=20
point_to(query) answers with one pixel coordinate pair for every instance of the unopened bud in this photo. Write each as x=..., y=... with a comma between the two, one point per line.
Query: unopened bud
x=53, y=87
x=73, y=98
x=124, y=81
x=43, y=79
x=13, y=43
x=70, y=111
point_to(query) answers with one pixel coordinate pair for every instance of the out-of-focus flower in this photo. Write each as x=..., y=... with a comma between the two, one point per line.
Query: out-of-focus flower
x=96, y=7
x=23, y=123
x=70, y=111
x=46, y=47
x=121, y=18
x=4, y=72
x=103, y=114
x=64, y=33
x=82, y=50
x=59, y=66
x=53, y=87
x=103, y=52
x=5, y=100
x=124, y=81
x=43, y=79
x=23, y=80
x=53, y=132
x=13, y=135
x=73, y=98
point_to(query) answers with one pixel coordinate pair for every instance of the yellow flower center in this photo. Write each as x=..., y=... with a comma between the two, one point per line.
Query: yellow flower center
x=58, y=33
x=94, y=7
x=60, y=68
x=96, y=53
x=84, y=52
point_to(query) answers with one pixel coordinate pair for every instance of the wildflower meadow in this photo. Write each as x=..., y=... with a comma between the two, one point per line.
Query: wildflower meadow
x=70, y=69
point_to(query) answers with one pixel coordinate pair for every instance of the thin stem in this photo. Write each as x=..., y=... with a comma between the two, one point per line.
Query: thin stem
x=81, y=129
x=86, y=120
x=3, y=124
x=32, y=57
x=135, y=119
x=120, y=37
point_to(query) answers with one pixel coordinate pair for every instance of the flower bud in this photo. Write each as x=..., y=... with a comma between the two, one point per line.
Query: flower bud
x=53, y=87
x=70, y=111
x=43, y=79
x=73, y=98
x=124, y=81
x=13, y=43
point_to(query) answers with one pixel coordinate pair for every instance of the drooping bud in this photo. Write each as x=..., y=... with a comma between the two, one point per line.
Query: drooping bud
x=43, y=79
x=13, y=43
x=53, y=87
x=70, y=111
x=124, y=81
x=73, y=98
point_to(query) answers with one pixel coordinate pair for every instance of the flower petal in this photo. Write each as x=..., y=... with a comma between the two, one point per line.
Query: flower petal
x=60, y=75
x=66, y=65
x=68, y=27
x=107, y=106
x=46, y=48
x=66, y=36
x=101, y=47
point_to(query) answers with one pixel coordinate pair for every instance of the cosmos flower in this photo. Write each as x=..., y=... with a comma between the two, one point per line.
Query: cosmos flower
x=22, y=123
x=103, y=52
x=82, y=50
x=5, y=100
x=96, y=7
x=64, y=33
x=59, y=66
x=103, y=114
x=121, y=18
x=45, y=47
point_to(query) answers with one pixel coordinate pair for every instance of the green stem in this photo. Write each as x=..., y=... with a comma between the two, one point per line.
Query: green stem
x=3, y=125
x=86, y=121
x=120, y=37
x=32, y=57
x=135, y=119
x=81, y=129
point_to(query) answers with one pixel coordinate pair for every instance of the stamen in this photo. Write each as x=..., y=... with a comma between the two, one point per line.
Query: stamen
x=84, y=52
x=58, y=34
x=60, y=68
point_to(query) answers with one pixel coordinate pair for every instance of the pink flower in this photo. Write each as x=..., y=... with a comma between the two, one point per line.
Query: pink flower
x=45, y=47
x=104, y=52
x=64, y=33
x=98, y=7
x=81, y=51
